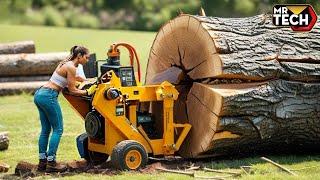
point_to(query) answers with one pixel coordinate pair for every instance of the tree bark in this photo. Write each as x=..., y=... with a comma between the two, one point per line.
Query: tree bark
x=30, y=64
x=254, y=85
x=17, y=47
x=4, y=141
x=229, y=118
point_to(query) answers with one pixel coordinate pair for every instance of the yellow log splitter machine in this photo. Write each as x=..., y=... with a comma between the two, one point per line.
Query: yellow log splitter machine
x=115, y=127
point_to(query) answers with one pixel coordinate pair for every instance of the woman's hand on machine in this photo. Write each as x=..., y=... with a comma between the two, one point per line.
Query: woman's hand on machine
x=92, y=89
x=77, y=84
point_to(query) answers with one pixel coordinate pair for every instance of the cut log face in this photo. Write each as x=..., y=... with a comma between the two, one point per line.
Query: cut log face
x=244, y=48
x=30, y=64
x=17, y=47
x=173, y=75
x=254, y=85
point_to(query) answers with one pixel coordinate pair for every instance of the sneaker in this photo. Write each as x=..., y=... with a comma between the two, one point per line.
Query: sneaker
x=42, y=165
x=53, y=166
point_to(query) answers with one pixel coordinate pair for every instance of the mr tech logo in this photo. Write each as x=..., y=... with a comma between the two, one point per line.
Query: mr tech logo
x=298, y=17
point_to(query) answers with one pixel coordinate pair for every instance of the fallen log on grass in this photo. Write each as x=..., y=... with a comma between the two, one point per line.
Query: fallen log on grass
x=30, y=64
x=17, y=47
x=11, y=88
x=248, y=85
x=234, y=118
x=4, y=141
x=24, y=78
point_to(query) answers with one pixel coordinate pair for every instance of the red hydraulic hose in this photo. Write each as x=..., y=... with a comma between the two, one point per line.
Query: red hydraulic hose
x=133, y=54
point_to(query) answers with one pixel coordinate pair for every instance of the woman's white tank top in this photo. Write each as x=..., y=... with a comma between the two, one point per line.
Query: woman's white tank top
x=59, y=80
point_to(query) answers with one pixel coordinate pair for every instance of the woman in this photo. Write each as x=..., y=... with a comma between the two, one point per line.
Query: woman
x=46, y=101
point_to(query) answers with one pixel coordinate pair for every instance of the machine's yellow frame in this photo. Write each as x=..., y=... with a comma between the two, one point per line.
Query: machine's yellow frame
x=119, y=128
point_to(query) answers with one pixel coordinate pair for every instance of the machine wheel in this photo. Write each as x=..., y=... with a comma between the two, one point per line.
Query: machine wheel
x=96, y=157
x=129, y=155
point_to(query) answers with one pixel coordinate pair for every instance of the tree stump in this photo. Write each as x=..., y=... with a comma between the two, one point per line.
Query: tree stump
x=247, y=85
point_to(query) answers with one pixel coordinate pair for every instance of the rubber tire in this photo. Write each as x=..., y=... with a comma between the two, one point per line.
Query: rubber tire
x=120, y=151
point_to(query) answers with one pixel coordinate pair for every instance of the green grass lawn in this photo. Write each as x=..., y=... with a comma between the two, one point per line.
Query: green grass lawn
x=55, y=39
x=19, y=115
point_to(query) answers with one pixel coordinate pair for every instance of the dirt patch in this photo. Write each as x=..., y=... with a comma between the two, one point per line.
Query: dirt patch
x=26, y=169
x=4, y=167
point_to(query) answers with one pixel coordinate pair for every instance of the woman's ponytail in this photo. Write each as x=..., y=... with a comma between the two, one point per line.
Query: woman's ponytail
x=74, y=51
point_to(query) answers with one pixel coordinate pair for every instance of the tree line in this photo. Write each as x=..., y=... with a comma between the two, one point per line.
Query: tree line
x=146, y=15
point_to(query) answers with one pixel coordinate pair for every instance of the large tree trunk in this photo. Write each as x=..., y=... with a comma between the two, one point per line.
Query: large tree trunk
x=4, y=141
x=254, y=85
x=244, y=48
x=30, y=64
x=236, y=117
x=17, y=47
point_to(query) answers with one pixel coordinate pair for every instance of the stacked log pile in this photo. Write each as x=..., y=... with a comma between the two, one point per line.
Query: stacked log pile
x=22, y=70
x=247, y=85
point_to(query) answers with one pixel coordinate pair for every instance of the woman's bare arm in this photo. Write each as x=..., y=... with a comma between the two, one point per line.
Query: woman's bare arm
x=71, y=77
x=80, y=79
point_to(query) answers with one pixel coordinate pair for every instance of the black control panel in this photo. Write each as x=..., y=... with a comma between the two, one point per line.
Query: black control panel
x=127, y=76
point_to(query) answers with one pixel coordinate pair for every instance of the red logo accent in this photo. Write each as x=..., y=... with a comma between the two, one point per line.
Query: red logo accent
x=313, y=21
x=299, y=17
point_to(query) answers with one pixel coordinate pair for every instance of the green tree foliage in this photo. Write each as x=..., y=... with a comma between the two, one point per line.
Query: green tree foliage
x=52, y=17
x=127, y=14
x=33, y=18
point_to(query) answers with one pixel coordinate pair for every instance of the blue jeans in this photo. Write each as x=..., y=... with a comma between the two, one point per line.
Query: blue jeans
x=46, y=101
